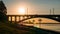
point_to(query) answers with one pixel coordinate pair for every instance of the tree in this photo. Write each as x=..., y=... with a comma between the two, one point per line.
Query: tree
x=40, y=21
x=3, y=11
x=33, y=21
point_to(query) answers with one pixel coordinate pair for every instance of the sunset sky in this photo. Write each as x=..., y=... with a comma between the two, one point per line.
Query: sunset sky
x=34, y=6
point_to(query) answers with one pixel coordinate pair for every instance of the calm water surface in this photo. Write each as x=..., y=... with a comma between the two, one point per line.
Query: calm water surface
x=55, y=27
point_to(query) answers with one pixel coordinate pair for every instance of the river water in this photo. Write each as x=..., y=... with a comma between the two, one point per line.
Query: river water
x=54, y=27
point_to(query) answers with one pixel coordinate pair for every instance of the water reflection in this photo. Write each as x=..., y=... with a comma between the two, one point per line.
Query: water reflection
x=43, y=23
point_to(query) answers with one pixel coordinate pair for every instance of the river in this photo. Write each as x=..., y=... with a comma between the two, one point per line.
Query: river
x=54, y=27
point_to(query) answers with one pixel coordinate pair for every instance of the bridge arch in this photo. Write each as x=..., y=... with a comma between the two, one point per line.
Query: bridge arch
x=50, y=20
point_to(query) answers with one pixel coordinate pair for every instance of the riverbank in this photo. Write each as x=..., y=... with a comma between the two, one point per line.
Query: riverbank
x=7, y=28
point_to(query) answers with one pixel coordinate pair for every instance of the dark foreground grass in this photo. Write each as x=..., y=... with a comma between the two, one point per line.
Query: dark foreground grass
x=9, y=28
x=6, y=28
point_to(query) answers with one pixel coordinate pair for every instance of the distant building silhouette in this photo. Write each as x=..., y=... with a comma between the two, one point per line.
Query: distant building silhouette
x=3, y=11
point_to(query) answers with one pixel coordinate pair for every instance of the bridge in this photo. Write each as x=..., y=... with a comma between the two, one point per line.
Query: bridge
x=26, y=17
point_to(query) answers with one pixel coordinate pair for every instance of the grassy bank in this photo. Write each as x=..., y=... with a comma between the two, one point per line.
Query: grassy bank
x=7, y=28
x=10, y=28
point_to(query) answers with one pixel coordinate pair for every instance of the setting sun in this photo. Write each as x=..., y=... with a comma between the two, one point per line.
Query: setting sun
x=21, y=10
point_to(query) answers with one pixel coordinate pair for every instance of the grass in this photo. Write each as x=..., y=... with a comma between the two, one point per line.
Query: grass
x=10, y=28
x=7, y=28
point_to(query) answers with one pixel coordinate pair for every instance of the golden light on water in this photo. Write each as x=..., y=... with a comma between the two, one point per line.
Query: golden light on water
x=22, y=10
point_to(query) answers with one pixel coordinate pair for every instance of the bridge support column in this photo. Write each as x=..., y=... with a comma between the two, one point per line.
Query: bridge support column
x=11, y=19
x=23, y=17
x=19, y=18
x=15, y=19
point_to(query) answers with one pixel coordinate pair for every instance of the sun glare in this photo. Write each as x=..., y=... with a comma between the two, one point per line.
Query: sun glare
x=21, y=10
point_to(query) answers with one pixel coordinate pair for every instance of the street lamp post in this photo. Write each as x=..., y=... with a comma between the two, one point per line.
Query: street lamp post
x=27, y=11
x=50, y=11
x=53, y=11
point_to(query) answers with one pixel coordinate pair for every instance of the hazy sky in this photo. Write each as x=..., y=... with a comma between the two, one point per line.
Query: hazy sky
x=34, y=6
